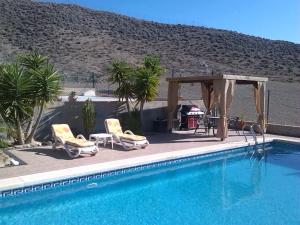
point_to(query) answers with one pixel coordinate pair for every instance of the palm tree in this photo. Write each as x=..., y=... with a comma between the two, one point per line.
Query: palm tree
x=16, y=97
x=122, y=74
x=147, y=82
x=25, y=88
x=47, y=86
x=31, y=62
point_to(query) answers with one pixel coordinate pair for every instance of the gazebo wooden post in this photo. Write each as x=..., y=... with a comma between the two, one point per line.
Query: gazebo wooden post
x=224, y=91
x=172, y=102
x=264, y=108
x=260, y=103
x=263, y=99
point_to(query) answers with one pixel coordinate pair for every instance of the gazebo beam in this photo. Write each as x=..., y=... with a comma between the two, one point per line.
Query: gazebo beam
x=205, y=78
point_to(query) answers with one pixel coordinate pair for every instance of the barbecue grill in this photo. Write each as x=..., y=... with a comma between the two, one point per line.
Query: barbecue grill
x=190, y=114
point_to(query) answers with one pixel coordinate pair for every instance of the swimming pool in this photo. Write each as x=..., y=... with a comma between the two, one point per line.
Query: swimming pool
x=229, y=187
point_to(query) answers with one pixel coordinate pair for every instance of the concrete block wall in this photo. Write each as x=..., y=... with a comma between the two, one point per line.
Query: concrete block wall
x=286, y=130
x=70, y=113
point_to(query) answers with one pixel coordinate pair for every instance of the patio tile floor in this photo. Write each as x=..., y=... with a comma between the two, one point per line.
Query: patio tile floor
x=44, y=159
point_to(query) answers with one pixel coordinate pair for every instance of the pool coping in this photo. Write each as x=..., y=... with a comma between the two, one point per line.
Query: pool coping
x=56, y=175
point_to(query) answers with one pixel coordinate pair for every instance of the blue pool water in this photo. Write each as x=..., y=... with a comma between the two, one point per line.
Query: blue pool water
x=229, y=188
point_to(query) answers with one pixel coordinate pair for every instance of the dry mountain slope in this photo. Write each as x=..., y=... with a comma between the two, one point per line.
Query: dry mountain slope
x=82, y=41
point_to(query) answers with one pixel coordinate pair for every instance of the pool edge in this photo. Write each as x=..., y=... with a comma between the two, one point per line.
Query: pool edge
x=56, y=175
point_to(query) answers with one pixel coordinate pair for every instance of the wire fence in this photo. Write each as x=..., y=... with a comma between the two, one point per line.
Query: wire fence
x=103, y=87
x=284, y=104
x=79, y=82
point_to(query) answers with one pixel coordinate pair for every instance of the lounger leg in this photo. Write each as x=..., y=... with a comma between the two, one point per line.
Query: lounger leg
x=95, y=151
x=71, y=153
x=145, y=145
x=54, y=146
x=125, y=146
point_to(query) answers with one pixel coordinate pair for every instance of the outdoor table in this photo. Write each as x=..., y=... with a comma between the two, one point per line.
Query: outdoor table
x=102, y=138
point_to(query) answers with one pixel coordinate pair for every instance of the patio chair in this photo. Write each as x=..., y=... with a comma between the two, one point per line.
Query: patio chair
x=202, y=124
x=74, y=147
x=207, y=122
x=127, y=139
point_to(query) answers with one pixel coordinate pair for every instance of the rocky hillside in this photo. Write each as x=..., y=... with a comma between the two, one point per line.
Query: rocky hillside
x=84, y=41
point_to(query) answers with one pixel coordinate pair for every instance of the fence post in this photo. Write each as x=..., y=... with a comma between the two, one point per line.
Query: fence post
x=93, y=79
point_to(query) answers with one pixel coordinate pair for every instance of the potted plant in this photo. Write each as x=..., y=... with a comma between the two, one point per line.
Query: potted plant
x=72, y=96
x=240, y=122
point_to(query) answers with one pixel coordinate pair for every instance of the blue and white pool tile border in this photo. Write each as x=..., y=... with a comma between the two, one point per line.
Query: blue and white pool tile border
x=41, y=181
x=102, y=175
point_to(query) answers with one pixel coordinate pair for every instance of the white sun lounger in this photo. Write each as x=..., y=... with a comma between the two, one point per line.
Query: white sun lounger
x=127, y=139
x=74, y=147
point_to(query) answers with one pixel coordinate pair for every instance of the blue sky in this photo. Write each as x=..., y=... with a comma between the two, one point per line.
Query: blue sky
x=273, y=19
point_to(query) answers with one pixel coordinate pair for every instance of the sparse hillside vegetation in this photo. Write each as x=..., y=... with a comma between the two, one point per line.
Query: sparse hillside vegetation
x=84, y=41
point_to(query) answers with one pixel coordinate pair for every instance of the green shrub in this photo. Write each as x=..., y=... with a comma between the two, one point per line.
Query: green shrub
x=3, y=144
x=89, y=117
x=131, y=122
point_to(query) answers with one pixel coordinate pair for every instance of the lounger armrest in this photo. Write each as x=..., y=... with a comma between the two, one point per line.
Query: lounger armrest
x=128, y=132
x=80, y=136
x=60, y=140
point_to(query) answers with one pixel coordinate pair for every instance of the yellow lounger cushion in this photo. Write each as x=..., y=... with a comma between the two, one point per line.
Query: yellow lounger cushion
x=114, y=126
x=131, y=137
x=81, y=143
x=63, y=131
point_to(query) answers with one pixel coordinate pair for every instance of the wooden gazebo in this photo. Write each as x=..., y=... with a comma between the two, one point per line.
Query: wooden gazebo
x=218, y=91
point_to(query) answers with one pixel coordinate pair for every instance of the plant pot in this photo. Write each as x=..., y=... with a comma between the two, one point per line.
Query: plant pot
x=240, y=124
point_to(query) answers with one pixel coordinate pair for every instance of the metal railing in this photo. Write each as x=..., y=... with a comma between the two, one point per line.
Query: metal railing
x=257, y=150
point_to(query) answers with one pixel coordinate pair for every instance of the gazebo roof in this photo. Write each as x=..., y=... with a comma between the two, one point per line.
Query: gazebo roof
x=240, y=79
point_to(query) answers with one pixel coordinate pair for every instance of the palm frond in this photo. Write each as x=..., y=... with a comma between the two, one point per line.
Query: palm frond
x=32, y=60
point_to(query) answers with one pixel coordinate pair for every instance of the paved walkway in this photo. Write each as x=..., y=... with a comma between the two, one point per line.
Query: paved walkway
x=44, y=159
